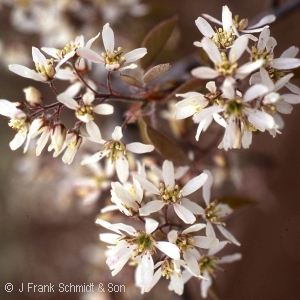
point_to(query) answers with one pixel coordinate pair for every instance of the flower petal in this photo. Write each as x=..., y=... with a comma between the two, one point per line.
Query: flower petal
x=151, y=207
x=194, y=184
x=184, y=214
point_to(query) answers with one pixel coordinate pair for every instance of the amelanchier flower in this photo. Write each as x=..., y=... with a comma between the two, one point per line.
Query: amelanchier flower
x=117, y=153
x=209, y=263
x=171, y=194
x=113, y=59
x=186, y=241
x=70, y=51
x=215, y=213
x=44, y=68
x=226, y=64
x=18, y=121
x=85, y=111
x=139, y=245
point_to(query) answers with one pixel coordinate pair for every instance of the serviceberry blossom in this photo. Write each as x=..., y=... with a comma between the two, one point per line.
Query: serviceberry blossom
x=226, y=64
x=85, y=111
x=209, y=263
x=113, y=59
x=186, y=241
x=214, y=213
x=117, y=153
x=171, y=194
x=139, y=245
x=18, y=121
x=44, y=68
x=71, y=50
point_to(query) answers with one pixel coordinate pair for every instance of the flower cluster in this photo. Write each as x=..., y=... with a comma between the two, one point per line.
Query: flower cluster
x=155, y=183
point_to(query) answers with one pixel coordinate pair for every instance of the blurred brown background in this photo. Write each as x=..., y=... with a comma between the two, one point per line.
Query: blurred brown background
x=45, y=239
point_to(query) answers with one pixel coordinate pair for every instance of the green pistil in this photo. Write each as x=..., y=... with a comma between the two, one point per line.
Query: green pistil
x=207, y=263
x=170, y=195
x=144, y=242
x=115, y=150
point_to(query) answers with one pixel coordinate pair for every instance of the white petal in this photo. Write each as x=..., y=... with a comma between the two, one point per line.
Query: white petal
x=285, y=63
x=284, y=107
x=93, y=130
x=205, y=242
x=248, y=68
x=194, y=184
x=291, y=98
x=228, y=235
x=135, y=54
x=90, y=55
x=38, y=56
x=212, y=50
x=290, y=52
x=139, y=147
x=226, y=18
x=146, y=270
x=18, y=140
x=207, y=187
x=184, y=214
x=192, y=206
x=191, y=261
x=204, y=27
x=170, y=249
x=91, y=41
x=218, y=248
x=26, y=72
x=194, y=228
x=108, y=38
x=122, y=168
x=230, y=258
x=205, y=284
x=168, y=174
x=151, y=207
x=205, y=73
x=210, y=230
x=207, y=112
x=117, y=134
x=265, y=20
x=88, y=98
x=67, y=101
x=238, y=48
x=150, y=225
x=103, y=109
x=146, y=184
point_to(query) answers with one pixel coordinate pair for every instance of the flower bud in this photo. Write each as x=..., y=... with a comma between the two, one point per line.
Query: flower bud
x=33, y=95
x=58, y=136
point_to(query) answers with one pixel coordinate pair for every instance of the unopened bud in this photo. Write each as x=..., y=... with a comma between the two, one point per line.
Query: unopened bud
x=58, y=136
x=33, y=95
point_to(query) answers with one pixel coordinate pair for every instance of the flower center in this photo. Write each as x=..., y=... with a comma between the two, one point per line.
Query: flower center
x=85, y=113
x=167, y=269
x=240, y=25
x=275, y=75
x=226, y=68
x=144, y=242
x=114, y=60
x=116, y=150
x=224, y=39
x=67, y=49
x=185, y=242
x=170, y=195
x=208, y=263
x=47, y=70
x=19, y=124
x=212, y=213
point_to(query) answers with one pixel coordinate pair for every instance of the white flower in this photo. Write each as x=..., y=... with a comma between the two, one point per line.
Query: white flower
x=226, y=65
x=70, y=50
x=111, y=58
x=215, y=213
x=85, y=111
x=117, y=152
x=209, y=263
x=136, y=244
x=18, y=121
x=186, y=241
x=90, y=187
x=126, y=200
x=44, y=72
x=171, y=194
x=195, y=102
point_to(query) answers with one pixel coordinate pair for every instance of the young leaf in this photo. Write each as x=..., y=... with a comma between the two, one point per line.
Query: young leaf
x=155, y=40
x=155, y=73
x=131, y=80
x=167, y=148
